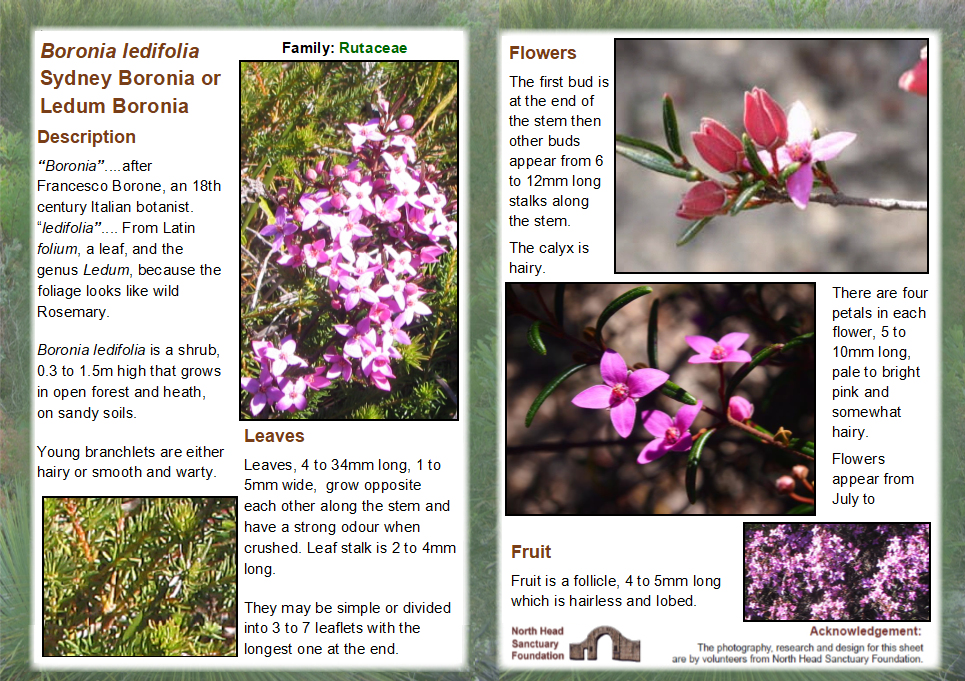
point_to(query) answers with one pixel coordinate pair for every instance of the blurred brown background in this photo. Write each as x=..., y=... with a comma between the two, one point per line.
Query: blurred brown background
x=846, y=85
x=572, y=461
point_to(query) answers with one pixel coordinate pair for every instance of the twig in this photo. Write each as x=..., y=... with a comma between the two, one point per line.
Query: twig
x=844, y=200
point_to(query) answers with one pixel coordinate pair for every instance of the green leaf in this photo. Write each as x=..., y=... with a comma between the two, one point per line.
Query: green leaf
x=692, y=231
x=670, y=126
x=534, y=339
x=675, y=392
x=803, y=509
x=789, y=170
x=653, y=162
x=750, y=151
x=617, y=304
x=548, y=390
x=693, y=463
x=644, y=144
x=652, y=334
x=558, y=305
x=762, y=356
x=745, y=196
x=267, y=211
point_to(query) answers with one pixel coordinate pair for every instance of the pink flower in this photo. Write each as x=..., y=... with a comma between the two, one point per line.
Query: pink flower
x=740, y=409
x=703, y=200
x=264, y=390
x=620, y=390
x=672, y=435
x=764, y=119
x=802, y=148
x=719, y=146
x=718, y=352
x=318, y=380
x=916, y=80
x=785, y=484
x=362, y=133
x=293, y=395
x=284, y=356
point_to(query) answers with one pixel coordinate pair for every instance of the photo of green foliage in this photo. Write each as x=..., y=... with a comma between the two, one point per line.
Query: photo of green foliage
x=140, y=576
x=349, y=260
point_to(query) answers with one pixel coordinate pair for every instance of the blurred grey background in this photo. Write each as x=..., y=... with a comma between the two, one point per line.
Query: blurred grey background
x=846, y=85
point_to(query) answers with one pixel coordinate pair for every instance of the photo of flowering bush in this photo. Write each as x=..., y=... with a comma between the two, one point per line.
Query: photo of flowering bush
x=660, y=399
x=349, y=236
x=772, y=155
x=860, y=572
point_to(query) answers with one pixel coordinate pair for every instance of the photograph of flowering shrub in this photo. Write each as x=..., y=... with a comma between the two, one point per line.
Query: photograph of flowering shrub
x=660, y=399
x=349, y=236
x=772, y=155
x=859, y=572
x=140, y=576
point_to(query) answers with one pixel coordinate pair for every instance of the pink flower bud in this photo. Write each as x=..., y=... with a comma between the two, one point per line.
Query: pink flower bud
x=916, y=80
x=299, y=214
x=339, y=171
x=283, y=193
x=354, y=176
x=703, y=200
x=764, y=119
x=785, y=484
x=740, y=409
x=320, y=167
x=719, y=146
x=338, y=201
x=310, y=174
x=406, y=121
x=800, y=472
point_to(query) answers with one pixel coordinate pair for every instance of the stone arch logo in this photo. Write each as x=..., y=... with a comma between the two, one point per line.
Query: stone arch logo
x=623, y=648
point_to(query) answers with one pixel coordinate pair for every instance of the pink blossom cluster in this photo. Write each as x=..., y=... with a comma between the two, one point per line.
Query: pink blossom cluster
x=621, y=388
x=846, y=571
x=284, y=377
x=367, y=229
x=781, y=139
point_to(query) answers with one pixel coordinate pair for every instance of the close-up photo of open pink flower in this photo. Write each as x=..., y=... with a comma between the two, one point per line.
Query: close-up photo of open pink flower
x=639, y=399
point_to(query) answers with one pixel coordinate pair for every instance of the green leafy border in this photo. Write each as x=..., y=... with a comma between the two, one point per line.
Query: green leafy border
x=483, y=18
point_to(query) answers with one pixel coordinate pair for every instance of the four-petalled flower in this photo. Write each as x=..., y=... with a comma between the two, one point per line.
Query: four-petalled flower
x=717, y=352
x=672, y=434
x=620, y=390
x=802, y=148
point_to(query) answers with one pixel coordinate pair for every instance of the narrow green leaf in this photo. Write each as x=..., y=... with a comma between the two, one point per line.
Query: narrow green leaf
x=692, y=231
x=670, y=126
x=548, y=390
x=652, y=161
x=762, y=356
x=269, y=216
x=675, y=392
x=652, y=334
x=803, y=509
x=535, y=341
x=750, y=151
x=798, y=341
x=746, y=196
x=789, y=170
x=617, y=304
x=693, y=463
x=644, y=144
x=558, y=305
